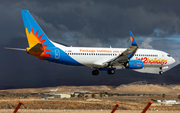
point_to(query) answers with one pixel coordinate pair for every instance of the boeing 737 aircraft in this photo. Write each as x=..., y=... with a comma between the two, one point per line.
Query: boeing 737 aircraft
x=108, y=59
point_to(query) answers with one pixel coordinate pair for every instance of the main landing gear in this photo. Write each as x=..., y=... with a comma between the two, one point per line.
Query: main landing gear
x=160, y=72
x=95, y=72
x=111, y=71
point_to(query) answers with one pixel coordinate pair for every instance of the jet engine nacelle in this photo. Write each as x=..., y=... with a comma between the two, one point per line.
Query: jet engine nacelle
x=134, y=64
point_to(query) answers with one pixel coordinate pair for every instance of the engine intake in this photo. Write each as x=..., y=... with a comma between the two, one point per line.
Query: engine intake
x=134, y=64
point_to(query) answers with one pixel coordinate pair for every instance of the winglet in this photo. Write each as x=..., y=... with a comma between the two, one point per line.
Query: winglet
x=133, y=42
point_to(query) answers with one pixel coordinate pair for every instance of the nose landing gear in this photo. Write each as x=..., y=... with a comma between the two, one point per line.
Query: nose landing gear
x=160, y=72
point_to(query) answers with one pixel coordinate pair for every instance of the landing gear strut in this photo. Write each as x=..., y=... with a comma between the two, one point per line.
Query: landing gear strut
x=111, y=71
x=95, y=72
x=160, y=72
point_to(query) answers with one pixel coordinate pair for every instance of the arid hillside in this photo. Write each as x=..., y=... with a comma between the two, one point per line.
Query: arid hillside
x=140, y=87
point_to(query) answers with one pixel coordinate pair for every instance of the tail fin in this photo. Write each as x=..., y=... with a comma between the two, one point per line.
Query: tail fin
x=37, y=39
x=133, y=42
x=34, y=33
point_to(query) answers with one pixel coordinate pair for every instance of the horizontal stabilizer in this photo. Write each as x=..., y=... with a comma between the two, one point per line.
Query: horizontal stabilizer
x=37, y=48
x=19, y=49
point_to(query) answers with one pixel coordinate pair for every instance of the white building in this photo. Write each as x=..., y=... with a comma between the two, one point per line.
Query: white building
x=62, y=96
x=168, y=101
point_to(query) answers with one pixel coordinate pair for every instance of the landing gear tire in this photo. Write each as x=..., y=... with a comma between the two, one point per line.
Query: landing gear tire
x=160, y=72
x=95, y=72
x=111, y=71
x=126, y=65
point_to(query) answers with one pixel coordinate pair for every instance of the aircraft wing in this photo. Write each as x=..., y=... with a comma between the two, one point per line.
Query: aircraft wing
x=126, y=55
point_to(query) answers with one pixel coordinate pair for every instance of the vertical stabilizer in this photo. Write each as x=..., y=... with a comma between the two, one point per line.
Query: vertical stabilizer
x=37, y=39
x=34, y=33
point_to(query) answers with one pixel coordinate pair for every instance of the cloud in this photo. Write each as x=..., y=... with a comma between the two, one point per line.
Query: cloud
x=84, y=23
x=146, y=43
x=95, y=19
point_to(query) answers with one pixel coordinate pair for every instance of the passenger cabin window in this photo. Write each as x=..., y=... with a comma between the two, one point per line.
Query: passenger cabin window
x=101, y=54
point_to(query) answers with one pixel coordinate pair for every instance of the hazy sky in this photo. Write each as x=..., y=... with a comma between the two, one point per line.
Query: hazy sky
x=155, y=25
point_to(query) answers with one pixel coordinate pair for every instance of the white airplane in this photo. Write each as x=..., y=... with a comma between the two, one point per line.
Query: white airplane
x=108, y=59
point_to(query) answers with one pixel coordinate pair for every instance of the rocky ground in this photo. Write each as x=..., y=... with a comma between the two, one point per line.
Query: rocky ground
x=81, y=111
x=134, y=96
x=86, y=104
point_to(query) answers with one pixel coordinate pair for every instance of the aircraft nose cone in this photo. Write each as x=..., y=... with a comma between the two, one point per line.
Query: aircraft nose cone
x=173, y=60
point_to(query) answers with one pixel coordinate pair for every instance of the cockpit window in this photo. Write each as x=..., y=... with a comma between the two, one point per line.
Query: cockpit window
x=168, y=55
